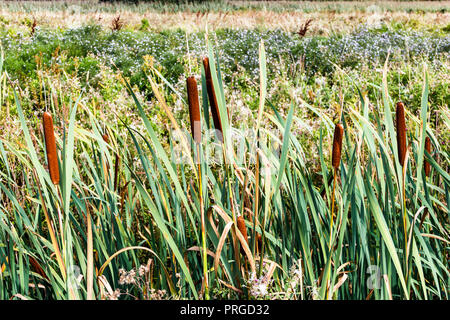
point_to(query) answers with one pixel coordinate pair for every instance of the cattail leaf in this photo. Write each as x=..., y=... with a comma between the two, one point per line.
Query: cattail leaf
x=218, y=89
x=384, y=230
x=423, y=131
x=262, y=83
x=284, y=151
x=162, y=154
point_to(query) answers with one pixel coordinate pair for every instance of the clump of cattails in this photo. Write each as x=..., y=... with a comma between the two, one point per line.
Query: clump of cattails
x=337, y=145
x=401, y=133
x=194, y=109
x=212, y=97
x=428, y=149
x=50, y=145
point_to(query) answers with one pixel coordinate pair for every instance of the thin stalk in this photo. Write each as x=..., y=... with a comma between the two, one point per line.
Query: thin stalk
x=90, y=256
x=202, y=217
x=332, y=205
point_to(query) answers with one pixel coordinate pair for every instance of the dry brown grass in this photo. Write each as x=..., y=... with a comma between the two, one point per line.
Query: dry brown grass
x=324, y=22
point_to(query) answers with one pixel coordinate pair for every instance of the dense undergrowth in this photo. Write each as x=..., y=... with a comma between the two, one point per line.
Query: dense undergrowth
x=124, y=221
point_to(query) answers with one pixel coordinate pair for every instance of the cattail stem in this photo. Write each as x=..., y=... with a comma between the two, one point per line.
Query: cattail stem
x=332, y=205
x=401, y=148
x=427, y=168
x=90, y=256
x=337, y=145
x=50, y=146
x=194, y=115
x=203, y=225
x=255, y=215
x=52, y=234
x=427, y=165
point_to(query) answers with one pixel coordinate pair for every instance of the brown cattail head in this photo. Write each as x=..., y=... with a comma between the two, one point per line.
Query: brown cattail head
x=55, y=100
x=401, y=132
x=105, y=138
x=242, y=228
x=36, y=267
x=337, y=145
x=259, y=241
x=428, y=149
x=194, y=109
x=50, y=145
x=212, y=98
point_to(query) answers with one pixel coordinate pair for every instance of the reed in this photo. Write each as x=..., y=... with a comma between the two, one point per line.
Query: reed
x=401, y=149
x=401, y=133
x=158, y=206
x=50, y=146
x=212, y=98
x=194, y=115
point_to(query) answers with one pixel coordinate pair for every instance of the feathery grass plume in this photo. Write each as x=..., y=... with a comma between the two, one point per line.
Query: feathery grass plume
x=212, y=97
x=241, y=226
x=401, y=132
x=337, y=145
x=50, y=146
x=194, y=109
x=428, y=149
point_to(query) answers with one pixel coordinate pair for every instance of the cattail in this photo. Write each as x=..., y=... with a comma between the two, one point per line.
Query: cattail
x=50, y=145
x=427, y=173
x=259, y=241
x=194, y=109
x=212, y=98
x=337, y=145
x=55, y=100
x=428, y=149
x=105, y=138
x=401, y=132
x=242, y=229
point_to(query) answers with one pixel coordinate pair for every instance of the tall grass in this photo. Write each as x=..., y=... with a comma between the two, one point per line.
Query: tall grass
x=120, y=205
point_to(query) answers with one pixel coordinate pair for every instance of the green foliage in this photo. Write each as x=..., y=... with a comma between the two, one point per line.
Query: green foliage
x=141, y=203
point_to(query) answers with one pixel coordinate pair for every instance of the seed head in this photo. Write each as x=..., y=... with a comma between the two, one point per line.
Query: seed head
x=337, y=145
x=241, y=226
x=194, y=109
x=428, y=149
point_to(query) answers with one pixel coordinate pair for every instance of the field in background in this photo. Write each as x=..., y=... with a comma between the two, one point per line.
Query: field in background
x=327, y=17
